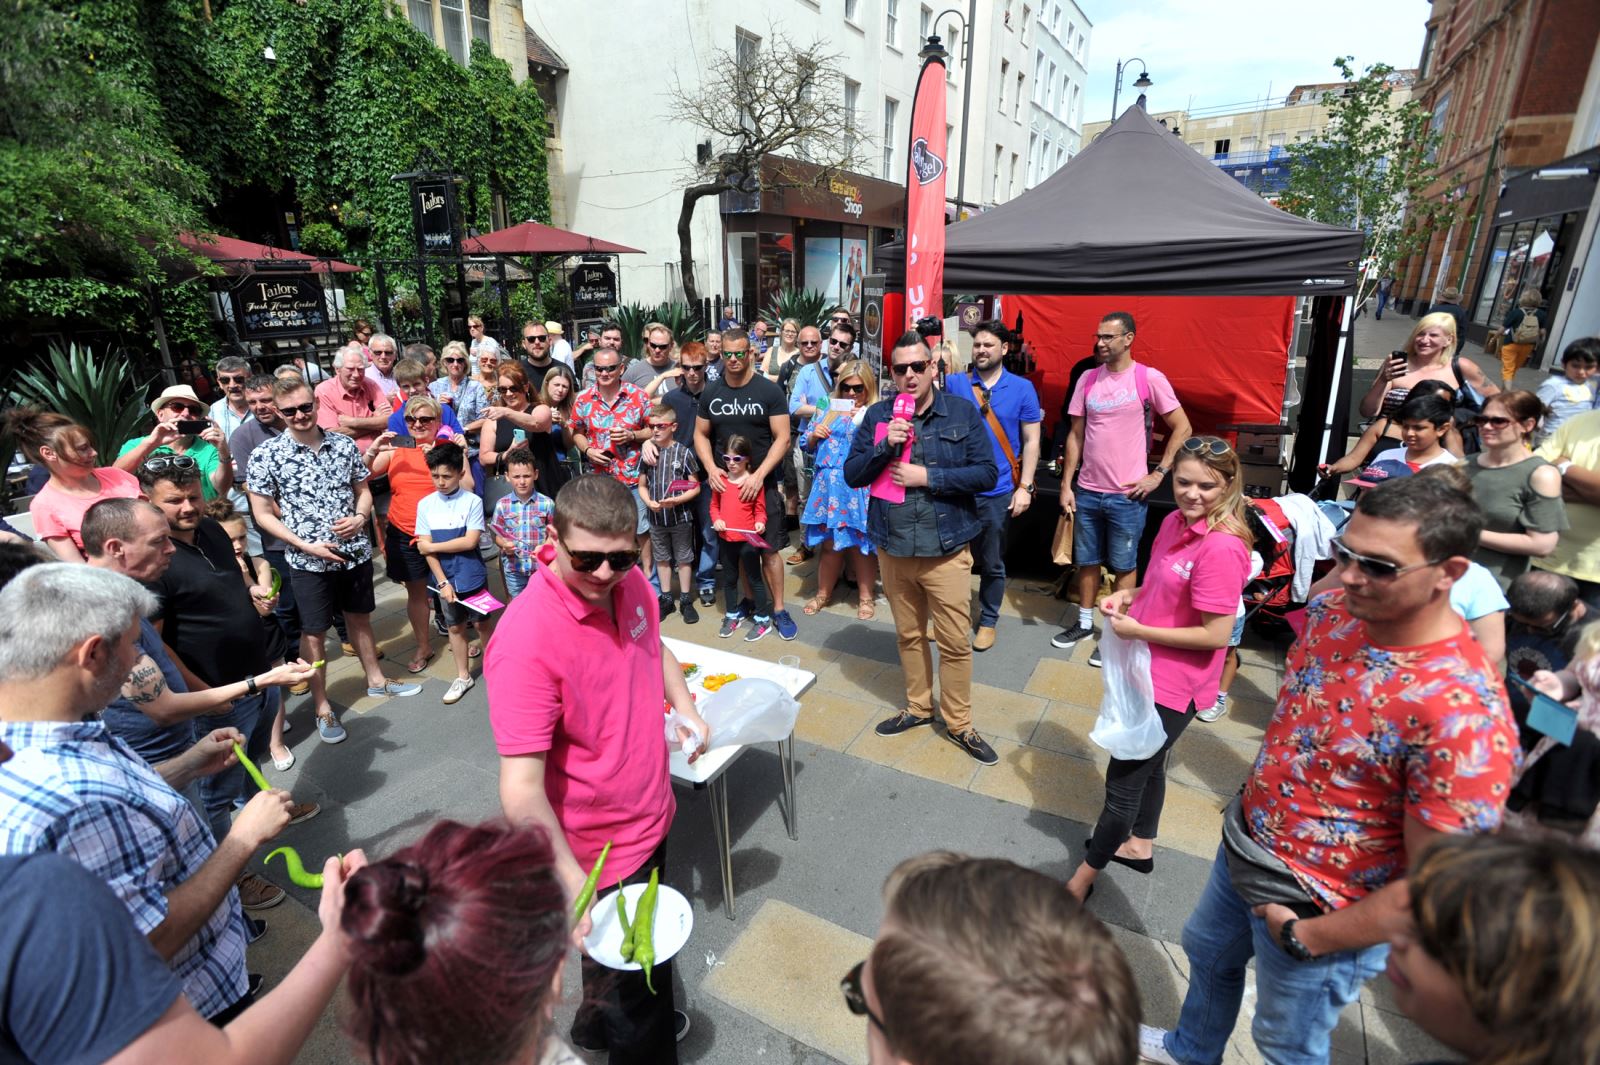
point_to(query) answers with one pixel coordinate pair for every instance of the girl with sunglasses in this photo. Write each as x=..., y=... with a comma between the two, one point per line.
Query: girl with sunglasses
x=410, y=482
x=464, y=394
x=835, y=516
x=735, y=522
x=1520, y=493
x=66, y=450
x=1185, y=609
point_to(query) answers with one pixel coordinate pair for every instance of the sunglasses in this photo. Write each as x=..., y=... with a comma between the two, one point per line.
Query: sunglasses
x=810, y=343
x=1379, y=569
x=535, y=340
x=1209, y=444
x=515, y=391
x=304, y=408
x=692, y=367
x=660, y=347
x=455, y=361
x=229, y=379
x=663, y=425
x=736, y=355
x=903, y=368
x=730, y=459
x=423, y=420
x=168, y=463
x=836, y=342
x=613, y=368
x=1556, y=628
x=1109, y=336
x=852, y=389
x=589, y=561
x=855, y=999
x=1494, y=422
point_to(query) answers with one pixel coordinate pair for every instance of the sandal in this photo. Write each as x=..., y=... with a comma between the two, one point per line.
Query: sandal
x=816, y=604
x=417, y=665
x=475, y=649
x=867, y=610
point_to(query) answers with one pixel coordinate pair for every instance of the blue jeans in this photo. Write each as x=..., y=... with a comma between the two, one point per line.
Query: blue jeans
x=706, y=576
x=989, y=555
x=1297, y=1002
x=515, y=582
x=1107, y=530
x=221, y=792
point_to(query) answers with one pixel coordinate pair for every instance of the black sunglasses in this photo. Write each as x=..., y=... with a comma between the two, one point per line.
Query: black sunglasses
x=589, y=561
x=423, y=419
x=810, y=343
x=1486, y=421
x=456, y=359
x=692, y=367
x=229, y=379
x=660, y=347
x=855, y=999
x=852, y=388
x=535, y=339
x=1196, y=444
x=304, y=408
x=1379, y=569
x=613, y=368
x=167, y=463
x=903, y=368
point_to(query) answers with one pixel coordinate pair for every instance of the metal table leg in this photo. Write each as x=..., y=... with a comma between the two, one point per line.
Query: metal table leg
x=717, y=790
x=791, y=815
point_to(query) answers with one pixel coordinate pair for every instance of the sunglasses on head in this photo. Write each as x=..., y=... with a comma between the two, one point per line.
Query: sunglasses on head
x=168, y=463
x=1379, y=569
x=855, y=999
x=1209, y=444
x=589, y=561
x=903, y=368
x=304, y=408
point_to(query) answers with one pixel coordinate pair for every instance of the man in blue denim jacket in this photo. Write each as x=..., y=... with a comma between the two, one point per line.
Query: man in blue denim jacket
x=922, y=542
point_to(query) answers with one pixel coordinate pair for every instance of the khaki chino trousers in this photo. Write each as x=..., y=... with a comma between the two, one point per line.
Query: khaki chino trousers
x=920, y=590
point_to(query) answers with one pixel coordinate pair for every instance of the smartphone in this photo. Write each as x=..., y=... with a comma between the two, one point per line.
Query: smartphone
x=190, y=426
x=342, y=553
x=1397, y=363
x=404, y=441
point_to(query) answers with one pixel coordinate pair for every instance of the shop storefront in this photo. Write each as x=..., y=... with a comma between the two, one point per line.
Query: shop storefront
x=1537, y=224
x=822, y=238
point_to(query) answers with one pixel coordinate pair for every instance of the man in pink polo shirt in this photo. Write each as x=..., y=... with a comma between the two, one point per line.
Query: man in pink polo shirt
x=580, y=731
x=352, y=403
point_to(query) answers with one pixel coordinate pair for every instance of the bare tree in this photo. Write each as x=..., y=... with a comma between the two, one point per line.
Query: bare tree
x=775, y=99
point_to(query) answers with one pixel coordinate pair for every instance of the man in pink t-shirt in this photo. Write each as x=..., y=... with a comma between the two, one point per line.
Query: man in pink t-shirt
x=581, y=733
x=1111, y=434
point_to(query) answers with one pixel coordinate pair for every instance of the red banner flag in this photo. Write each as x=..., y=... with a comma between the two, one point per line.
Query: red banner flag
x=925, y=183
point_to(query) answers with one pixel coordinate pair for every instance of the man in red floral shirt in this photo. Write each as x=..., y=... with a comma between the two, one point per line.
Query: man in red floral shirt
x=1392, y=728
x=608, y=425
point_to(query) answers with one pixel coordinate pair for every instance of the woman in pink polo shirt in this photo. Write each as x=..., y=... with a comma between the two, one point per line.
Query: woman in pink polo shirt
x=1184, y=609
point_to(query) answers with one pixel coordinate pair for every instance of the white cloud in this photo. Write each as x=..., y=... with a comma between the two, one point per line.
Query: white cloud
x=1206, y=55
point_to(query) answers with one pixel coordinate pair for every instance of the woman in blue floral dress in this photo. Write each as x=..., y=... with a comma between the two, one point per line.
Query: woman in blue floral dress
x=835, y=516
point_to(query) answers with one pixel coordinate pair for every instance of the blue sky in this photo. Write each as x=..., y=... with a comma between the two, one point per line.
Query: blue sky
x=1203, y=55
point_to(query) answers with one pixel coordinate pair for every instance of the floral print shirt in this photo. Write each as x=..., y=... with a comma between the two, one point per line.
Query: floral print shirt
x=596, y=419
x=313, y=490
x=1364, y=737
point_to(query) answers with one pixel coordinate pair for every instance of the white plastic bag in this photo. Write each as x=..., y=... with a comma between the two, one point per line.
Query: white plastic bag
x=751, y=710
x=1128, y=726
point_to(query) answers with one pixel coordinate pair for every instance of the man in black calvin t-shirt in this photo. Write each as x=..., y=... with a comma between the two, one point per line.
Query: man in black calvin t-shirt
x=745, y=403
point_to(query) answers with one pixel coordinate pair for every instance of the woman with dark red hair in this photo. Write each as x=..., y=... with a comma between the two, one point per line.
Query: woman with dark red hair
x=457, y=944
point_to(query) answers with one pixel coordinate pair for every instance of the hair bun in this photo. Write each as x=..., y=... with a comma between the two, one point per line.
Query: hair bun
x=385, y=916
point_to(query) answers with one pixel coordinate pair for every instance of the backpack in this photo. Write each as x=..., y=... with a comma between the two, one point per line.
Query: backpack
x=1141, y=387
x=1526, y=330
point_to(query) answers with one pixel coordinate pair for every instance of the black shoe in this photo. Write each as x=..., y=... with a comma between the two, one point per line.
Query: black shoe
x=680, y=1023
x=1138, y=865
x=439, y=626
x=708, y=596
x=974, y=745
x=254, y=928
x=253, y=987
x=1068, y=637
x=667, y=605
x=691, y=616
x=904, y=721
x=1094, y=657
x=589, y=1038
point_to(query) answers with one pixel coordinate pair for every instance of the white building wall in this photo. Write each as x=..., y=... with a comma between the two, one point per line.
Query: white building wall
x=625, y=162
x=1058, y=46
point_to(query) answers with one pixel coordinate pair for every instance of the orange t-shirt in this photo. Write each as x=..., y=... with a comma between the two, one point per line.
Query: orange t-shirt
x=409, y=483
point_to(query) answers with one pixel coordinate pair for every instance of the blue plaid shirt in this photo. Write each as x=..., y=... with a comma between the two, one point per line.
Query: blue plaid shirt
x=75, y=789
x=524, y=523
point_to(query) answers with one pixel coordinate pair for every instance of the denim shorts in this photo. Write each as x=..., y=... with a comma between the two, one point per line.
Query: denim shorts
x=1238, y=632
x=1106, y=531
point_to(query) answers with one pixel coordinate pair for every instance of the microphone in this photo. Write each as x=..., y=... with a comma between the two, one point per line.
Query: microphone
x=905, y=406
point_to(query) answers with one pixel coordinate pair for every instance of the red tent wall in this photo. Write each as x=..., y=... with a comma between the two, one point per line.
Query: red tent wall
x=1226, y=356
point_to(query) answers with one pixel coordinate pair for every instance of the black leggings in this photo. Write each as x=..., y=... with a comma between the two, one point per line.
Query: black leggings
x=1135, y=793
x=738, y=555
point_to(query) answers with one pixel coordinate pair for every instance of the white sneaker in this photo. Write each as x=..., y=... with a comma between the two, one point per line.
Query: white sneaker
x=1214, y=712
x=1153, y=1046
x=458, y=687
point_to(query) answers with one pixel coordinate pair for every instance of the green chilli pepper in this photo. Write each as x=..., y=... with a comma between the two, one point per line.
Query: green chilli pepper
x=250, y=767
x=297, y=871
x=319, y=663
x=644, y=927
x=627, y=929
x=588, y=885
x=277, y=582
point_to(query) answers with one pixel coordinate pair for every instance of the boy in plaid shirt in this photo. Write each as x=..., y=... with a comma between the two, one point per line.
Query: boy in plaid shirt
x=521, y=520
x=667, y=489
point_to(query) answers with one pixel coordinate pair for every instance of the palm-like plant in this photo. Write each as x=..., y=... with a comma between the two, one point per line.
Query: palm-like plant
x=808, y=306
x=99, y=394
x=684, y=321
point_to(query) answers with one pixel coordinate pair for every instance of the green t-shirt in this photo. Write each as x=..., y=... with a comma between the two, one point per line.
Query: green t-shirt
x=203, y=453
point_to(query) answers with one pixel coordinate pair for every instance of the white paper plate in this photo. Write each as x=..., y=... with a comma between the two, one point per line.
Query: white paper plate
x=674, y=920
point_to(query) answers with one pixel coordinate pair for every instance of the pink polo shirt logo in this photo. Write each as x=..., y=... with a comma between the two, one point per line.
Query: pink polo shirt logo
x=639, y=627
x=1184, y=568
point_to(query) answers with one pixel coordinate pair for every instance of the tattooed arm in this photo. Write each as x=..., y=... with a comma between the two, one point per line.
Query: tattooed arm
x=146, y=688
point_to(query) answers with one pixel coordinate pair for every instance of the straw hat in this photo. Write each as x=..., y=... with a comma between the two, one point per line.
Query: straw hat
x=553, y=328
x=182, y=392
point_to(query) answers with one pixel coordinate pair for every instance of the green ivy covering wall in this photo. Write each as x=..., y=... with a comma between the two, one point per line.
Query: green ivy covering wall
x=185, y=112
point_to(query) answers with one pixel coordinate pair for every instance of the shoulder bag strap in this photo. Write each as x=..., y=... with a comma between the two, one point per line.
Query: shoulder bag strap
x=980, y=395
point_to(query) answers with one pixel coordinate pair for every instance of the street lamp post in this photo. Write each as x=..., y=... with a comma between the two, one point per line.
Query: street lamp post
x=935, y=47
x=1144, y=82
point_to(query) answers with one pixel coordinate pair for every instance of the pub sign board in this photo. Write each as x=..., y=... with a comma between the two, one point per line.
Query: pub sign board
x=266, y=306
x=593, y=285
x=873, y=287
x=433, y=211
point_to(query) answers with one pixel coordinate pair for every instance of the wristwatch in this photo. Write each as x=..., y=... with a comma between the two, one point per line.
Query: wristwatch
x=1028, y=488
x=1162, y=470
x=1291, y=943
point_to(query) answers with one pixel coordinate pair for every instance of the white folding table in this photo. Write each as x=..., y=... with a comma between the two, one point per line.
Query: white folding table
x=708, y=771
